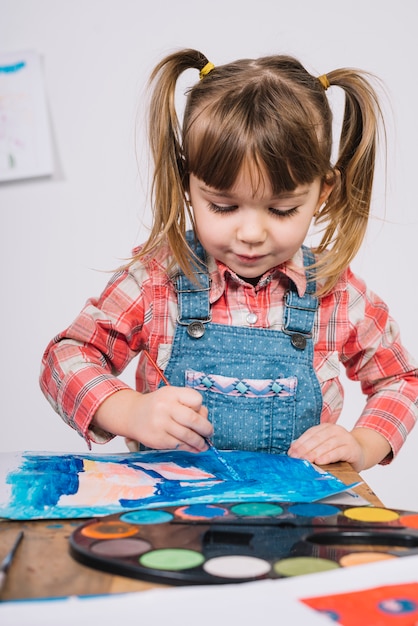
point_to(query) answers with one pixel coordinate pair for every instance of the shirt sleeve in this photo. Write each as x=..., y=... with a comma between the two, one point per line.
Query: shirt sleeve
x=80, y=365
x=373, y=354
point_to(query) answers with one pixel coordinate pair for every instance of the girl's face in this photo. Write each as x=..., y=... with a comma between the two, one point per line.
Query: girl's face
x=249, y=229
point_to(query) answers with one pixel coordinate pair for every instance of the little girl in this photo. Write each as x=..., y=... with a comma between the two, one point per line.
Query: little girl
x=240, y=329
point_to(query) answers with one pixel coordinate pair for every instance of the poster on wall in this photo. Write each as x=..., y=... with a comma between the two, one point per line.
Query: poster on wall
x=25, y=140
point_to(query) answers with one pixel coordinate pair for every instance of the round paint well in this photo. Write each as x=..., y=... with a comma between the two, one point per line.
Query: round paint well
x=256, y=509
x=371, y=514
x=200, y=512
x=147, y=517
x=108, y=530
x=172, y=559
x=361, y=558
x=236, y=566
x=313, y=510
x=300, y=565
x=120, y=548
x=410, y=521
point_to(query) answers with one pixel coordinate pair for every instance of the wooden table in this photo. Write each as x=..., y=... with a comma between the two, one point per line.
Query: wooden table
x=43, y=567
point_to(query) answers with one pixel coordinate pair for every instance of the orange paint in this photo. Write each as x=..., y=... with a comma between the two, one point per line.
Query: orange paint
x=410, y=521
x=103, y=483
x=109, y=530
x=172, y=471
x=360, y=558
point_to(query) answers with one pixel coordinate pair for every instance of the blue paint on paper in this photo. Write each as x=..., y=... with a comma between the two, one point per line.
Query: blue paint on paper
x=38, y=482
x=10, y=69
x=397, y=606
x=42, y=489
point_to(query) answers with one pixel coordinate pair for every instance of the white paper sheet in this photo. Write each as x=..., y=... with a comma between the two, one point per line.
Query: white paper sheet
x=25, y=141
x=247, y=604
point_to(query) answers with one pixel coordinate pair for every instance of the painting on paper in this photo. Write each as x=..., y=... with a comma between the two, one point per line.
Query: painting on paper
x=37, y=485
x=395, y=605
x=25, y=138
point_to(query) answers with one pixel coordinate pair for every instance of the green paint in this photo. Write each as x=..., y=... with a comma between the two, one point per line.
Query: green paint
x=172, y=559
x=300, y=565
x=257, y=509
x=147, y=517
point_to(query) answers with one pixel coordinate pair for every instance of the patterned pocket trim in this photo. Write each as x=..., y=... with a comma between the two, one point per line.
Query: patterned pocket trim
x=241, y=387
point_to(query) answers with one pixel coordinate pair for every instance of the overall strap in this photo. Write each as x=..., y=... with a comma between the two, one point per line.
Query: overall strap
x=193, y=297
x=194, y=307
x=299, y=311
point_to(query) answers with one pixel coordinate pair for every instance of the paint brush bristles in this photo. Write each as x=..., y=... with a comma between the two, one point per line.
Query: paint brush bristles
x=214, y=449
x=222, y=459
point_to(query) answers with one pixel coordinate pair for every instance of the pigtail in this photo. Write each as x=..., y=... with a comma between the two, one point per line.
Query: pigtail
x=169, y=202
x=347, y=210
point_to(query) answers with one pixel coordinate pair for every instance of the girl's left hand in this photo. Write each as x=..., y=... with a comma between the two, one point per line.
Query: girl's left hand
x=328, y=443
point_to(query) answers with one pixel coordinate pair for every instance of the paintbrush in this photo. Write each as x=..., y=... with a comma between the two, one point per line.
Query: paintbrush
x=223, y=460
x=234, y=474
x=7, y=561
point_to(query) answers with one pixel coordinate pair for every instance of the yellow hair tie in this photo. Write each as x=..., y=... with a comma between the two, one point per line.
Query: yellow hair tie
x=206, y=69
x=324, y=81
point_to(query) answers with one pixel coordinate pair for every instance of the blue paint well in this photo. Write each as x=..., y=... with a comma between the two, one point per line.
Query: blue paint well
x=207, y=511
x=151, y=516
x=314, y=510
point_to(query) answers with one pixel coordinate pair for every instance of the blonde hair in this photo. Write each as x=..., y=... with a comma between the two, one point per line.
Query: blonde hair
x=273, y=114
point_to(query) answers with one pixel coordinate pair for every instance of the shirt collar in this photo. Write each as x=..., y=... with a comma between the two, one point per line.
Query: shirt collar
x=220, y=274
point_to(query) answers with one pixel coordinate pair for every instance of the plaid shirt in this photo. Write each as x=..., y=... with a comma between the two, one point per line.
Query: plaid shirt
x=138, y=309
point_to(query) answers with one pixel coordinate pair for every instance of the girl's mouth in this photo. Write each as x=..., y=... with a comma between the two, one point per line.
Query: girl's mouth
x=249, y=260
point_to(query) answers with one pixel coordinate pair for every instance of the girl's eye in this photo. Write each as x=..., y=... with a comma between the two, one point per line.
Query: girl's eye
x=281, y=213
x=216, y=208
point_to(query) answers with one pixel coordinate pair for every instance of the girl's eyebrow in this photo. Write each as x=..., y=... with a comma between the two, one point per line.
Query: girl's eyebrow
x=297, y=193
x=215, y=192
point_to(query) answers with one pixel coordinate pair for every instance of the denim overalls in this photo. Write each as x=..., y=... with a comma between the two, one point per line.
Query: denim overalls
x=259, y=385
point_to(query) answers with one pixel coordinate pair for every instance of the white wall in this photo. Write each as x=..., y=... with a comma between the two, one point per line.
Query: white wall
x=58, y=236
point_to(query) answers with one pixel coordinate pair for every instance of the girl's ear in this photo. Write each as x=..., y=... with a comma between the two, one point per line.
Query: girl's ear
x=325, y=192
x=328, y=185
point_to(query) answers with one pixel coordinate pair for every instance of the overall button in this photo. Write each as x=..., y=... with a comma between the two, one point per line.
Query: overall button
x=252, y=318
x=196, y=330
x=298, y=341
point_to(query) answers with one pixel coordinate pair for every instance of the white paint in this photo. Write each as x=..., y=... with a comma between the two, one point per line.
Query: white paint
x=237, y=566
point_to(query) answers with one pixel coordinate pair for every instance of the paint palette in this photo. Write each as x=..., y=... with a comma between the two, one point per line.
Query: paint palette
x=241, y=542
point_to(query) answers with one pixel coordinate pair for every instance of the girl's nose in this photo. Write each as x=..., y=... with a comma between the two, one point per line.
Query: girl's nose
x=252, y=229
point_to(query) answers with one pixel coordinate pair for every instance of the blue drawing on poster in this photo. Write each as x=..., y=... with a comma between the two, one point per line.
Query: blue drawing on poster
x=53, y=485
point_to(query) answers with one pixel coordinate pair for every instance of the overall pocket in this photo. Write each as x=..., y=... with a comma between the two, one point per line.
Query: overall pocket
x=248, y=414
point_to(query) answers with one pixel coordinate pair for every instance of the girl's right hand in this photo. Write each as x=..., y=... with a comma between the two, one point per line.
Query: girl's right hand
x=165, y=419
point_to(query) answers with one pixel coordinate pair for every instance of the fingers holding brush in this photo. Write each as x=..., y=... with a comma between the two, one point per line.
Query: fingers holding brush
x=179, y=414
x=168, y=418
